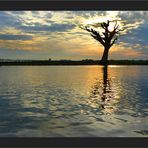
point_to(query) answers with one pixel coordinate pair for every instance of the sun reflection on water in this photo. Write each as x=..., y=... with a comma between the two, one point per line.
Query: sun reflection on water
x=105, y=92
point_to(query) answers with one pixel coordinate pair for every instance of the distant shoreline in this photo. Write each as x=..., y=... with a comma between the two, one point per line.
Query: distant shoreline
x=69, y=62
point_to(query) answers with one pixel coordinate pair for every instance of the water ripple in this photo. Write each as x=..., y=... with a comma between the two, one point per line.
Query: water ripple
x=73, y=101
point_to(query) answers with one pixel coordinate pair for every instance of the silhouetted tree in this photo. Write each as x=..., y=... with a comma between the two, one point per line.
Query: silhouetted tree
x=107, y=38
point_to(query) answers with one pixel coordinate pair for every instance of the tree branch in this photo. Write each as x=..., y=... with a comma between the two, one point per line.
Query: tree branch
x=94, y=34
x=113, y=42
x=107, y=40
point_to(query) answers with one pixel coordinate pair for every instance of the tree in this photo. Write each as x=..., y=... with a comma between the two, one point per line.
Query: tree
x=107, y=38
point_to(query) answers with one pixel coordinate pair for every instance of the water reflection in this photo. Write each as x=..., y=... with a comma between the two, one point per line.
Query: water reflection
x=106, y=92
x=73, y=101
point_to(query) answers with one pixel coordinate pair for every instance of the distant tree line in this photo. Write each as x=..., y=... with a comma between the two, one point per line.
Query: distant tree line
x=71, y=62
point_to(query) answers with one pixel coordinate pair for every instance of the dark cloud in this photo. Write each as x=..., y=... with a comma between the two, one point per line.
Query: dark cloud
x=14, y=37
x=136, y=36
x=61, y=27
x=13, y=19
x=52, y=28
x=132, y=17
x=18, y=12
x=8, y=20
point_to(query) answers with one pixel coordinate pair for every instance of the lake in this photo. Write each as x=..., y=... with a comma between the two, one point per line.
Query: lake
x=73, y=101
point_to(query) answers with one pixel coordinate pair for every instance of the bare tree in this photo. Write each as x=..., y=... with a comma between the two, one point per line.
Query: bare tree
x=107, y=38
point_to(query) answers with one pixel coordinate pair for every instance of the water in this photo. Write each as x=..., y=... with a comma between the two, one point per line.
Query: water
x=73, y=101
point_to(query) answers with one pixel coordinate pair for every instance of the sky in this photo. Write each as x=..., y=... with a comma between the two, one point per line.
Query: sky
x=57, y=35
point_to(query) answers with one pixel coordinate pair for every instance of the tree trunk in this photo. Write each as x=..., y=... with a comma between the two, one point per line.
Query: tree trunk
x=104, y=59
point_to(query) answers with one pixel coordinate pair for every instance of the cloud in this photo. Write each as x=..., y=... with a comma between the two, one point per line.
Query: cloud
x=137, y=36
x=52, y=28
x=57, y=33
x=7, y=20
x=14, y=37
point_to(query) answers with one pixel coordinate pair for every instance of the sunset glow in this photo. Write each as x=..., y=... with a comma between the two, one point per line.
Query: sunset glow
x=57, y=35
